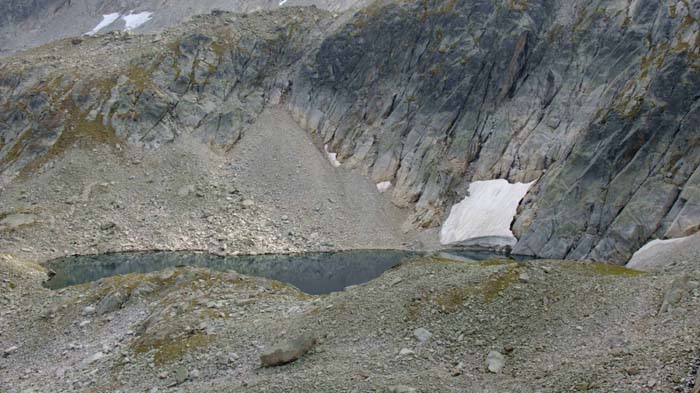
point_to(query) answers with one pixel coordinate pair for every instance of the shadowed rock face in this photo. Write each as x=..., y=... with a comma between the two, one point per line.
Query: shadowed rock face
x=594, y=100
x=597, y=102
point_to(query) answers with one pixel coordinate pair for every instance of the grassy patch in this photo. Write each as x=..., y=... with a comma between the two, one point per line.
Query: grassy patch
x=172, y=349
x=603, y=269
x=497, y=284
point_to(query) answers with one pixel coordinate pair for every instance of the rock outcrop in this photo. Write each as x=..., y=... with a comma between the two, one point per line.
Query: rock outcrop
x=595, y=102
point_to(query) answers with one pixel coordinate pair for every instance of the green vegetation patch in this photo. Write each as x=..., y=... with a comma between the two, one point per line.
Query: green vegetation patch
x=604, y=269
x=172, y=349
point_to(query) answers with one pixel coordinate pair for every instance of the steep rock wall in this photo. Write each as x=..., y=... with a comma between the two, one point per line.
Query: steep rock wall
x=596, y=101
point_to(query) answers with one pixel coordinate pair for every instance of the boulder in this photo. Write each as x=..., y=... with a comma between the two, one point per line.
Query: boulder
x=288, y=351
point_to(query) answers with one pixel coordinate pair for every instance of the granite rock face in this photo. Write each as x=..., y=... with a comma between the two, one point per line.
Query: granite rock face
x=595, y=101
x=208, y=80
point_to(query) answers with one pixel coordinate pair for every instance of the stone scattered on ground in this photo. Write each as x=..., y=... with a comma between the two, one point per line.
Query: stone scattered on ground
x=200, y=330
x=287, y=351
x=495, y=362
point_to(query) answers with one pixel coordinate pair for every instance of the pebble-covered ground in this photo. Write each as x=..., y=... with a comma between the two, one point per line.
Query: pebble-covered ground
x=429, y=325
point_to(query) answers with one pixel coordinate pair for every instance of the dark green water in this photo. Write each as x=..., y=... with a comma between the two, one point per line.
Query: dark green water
x=313, y=273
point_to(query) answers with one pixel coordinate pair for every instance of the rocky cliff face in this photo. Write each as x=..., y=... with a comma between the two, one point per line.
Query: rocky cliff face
x=210, y=80
x=595, y=101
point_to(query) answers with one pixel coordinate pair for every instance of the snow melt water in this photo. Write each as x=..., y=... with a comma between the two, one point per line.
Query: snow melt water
x=135, y=20
x=487, y=211
x=106, y=21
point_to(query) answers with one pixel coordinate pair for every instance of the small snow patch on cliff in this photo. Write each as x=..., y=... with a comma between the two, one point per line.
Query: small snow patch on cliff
x=282, y=2
x=135, y=20
x=384, y=186
x=487, y=211
x=332, y=157
x=106, y=21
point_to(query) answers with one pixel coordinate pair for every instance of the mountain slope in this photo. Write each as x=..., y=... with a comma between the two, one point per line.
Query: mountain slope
x=594, y=102
x=27, y=24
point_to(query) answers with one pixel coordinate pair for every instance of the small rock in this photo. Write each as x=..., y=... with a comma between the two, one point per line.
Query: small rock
x=401, y=389
x=185, y=191
x=108, y=226
x=495, y=362
x=9, y=351
x=194, y=374
x=524, y=278
x=95, y=358
x=247, y=203
x=89, y=310
x=632, y=371
x=110, y=303
x=651, y=383
x=163, y=375
x=84, y=323
x=180, y=375
x=406, y=352
x=422, y=335
x=288, y=351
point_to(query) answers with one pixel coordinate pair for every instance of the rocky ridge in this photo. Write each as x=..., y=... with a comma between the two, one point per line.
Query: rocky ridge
x=427, y=96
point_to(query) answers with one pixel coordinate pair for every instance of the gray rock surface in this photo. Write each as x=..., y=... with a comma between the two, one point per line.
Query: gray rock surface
x=596, y=101
x=287, y=351
x=495, y=362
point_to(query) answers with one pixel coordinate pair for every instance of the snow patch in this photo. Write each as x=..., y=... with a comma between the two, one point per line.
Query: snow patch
x=282, y=2
x=384, y=186
x=487, y=212
x=648, y=255
x=106, y=21
x=135, y=20
x=331, y=157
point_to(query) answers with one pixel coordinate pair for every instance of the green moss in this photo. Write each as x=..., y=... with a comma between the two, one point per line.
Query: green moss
x=518, y=5
x=609, y=269
x=140, y=77
x=602, y=268
x=14, y=153
x=496, y=262
x=453, y=299
x=172, y=349
x=77, y=131
x=495, y=286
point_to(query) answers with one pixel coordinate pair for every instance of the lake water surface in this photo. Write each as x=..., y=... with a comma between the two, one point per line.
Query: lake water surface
x=313, y=273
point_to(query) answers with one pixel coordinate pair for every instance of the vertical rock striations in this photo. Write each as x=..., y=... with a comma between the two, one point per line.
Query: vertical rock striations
x=596, y=101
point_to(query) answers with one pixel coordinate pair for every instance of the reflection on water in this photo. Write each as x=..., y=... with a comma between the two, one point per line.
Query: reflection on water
x=313, y=273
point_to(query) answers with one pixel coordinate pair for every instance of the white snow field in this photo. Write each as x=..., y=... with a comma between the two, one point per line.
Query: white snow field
x=487, y=211
x=107, y=20
x=135, y=20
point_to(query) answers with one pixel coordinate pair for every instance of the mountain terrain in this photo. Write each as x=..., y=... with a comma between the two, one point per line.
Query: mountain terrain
x=559, y=130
